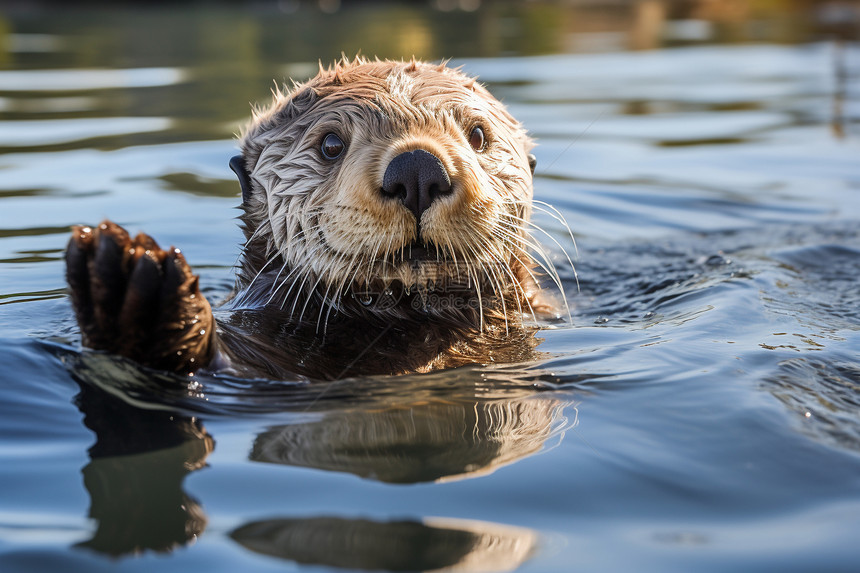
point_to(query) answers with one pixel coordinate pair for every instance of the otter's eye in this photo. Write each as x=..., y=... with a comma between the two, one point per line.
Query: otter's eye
x=476, y=139
x=332, y=146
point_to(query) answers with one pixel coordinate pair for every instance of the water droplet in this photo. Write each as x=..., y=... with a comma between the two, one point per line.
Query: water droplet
x=365, y=300
x=717, y=261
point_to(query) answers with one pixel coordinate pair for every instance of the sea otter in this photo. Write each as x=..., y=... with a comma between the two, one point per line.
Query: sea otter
x=386, y=210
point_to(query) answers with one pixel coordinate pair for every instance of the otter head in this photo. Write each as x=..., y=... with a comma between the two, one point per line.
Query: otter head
x=377, y=182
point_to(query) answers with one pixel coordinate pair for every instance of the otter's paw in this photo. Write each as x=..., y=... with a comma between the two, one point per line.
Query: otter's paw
x=134, y=299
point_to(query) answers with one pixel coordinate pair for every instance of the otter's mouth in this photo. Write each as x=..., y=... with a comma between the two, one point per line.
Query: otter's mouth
x=424, y=278
x=418, y=252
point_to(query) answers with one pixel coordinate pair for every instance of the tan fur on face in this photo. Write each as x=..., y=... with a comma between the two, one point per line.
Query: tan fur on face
x=329, y=222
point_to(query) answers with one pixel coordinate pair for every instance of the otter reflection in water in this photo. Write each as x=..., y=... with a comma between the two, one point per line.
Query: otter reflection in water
x=409, y=430
x=137, y=465
x=436, y=436
x=431, y=439
x=428, y=545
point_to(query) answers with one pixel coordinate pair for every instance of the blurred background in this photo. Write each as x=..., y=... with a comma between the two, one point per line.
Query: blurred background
x=228, y=52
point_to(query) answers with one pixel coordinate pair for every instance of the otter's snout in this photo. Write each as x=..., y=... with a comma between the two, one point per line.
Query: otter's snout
x=417, y=178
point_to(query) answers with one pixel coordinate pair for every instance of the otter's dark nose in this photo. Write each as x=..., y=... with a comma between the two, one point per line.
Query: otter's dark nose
x=417, y=178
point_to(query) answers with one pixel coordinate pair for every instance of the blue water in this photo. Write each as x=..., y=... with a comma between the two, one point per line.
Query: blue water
x=701, y=411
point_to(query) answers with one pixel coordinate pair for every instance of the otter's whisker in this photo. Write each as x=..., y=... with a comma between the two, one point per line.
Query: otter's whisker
x=553, y=274
x=491, y=278
x=323, y=273
x=293, y=285
x=524, y=236
x=525, y=266
x=544, y=262
x=356, y=263
x=473, y=272
x=338, y=292
x=570, y=262
x=292, y=274
x=299, y=294
x=453, y=256
x=308, y=296
x=275, y=284
x=297, y=267
x=244, y=247
x=334, y=263
x=498, y=255
x=556, y=214
x=247, y=290
x=323, y=305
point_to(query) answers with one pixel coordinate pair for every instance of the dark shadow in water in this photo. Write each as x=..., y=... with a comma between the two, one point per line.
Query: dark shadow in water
x=431, y=545
x=135, y=475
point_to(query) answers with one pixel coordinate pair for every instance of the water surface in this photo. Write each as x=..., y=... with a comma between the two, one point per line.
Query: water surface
x=699, y=412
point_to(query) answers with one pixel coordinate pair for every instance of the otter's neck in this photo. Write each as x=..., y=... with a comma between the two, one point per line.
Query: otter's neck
x=328, y=343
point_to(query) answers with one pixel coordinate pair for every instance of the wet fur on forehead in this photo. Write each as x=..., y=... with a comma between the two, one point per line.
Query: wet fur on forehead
x=396, y=90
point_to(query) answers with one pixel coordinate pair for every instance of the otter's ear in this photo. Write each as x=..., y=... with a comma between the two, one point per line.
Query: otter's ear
x=237, y=164
x=532, y=162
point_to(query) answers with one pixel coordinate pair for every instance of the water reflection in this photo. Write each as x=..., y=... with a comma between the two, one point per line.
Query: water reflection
x=428, y=545
x=466, y=423
x=135, y=474
x=431, y=440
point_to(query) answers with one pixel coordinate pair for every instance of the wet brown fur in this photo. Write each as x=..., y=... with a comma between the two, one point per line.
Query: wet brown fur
x=326, y=286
